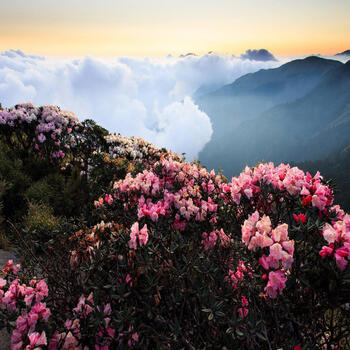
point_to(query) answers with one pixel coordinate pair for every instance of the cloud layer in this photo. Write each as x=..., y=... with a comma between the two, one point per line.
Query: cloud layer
x=149, y=97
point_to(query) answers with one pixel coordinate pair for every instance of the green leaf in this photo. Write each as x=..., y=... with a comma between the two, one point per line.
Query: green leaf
x=259, y=335
x=229, y=330
x=219, y=314
x=206, y=310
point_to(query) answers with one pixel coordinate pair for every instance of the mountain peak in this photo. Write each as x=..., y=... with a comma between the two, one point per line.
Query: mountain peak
x=313, y=58
x=344, y=53
x=311, y=61
x=188, y=54
x=258, y=55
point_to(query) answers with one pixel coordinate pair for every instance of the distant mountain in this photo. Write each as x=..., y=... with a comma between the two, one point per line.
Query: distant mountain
x=204, y=90
x=188, y=54
x=344, y=53
x=254, y=93
x=259, y=55
x=299, y=111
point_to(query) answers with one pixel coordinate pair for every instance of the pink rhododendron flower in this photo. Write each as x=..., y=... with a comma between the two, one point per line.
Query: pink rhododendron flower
x=329, y=233
x=243, y=312
x=264, y=262
x=244, y=301
x=35, y=340
x=2, y=282
x=10, y=267
x=280, y=233
x=264, y=225
x=300, y=217
x=138, y=235
x=109, y=199
x=127, y=278
x=341, y=262
x=209, y=240
x=83, y=308
x=275, y=284
x=99, y=203
x=307, y=200
x=225, y=240
x=327, y=250
x=289, y=246
x=276, y=251
x=41, y=138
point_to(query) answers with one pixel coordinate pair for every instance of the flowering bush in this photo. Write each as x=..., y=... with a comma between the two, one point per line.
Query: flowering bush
x=136, y=149
x=44, y=129
x=167, y=254
x=33, y=330
x=274, y=219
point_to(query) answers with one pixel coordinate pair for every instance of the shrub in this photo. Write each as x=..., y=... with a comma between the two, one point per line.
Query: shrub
x=40, y=221
x=160, y=253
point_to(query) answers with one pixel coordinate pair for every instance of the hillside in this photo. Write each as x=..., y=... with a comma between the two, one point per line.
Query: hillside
x=344, y=53
x=124, y=245
x=254, y=93
x=303, y=128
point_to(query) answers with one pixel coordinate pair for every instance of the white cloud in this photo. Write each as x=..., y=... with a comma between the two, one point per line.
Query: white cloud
x=148, y=97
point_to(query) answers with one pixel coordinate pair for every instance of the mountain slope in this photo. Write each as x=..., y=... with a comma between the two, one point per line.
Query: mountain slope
x=249, y=96
x=256, y=92
x=344, y=53
x=304, y=129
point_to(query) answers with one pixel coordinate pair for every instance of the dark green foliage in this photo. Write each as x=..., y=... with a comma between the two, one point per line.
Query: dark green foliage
x=17, y=182
x=40, y=222
x=76, y=193
x=59, y=188
x=3, y=237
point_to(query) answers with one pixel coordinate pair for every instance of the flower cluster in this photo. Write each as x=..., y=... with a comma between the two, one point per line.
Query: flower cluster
x=48, y=128
x=209, y=240
x=236, y=276
x=258, y=233
x=136, y=235
x=90, y=240
x=25, y=328
x=136, y=149
x=31, y=296
x=9, y=267
x=243, y=311
x=26, y=301
x=172, y=189
x=337, y=235
x=185, y=193
x=282, y=178
x=71, y=337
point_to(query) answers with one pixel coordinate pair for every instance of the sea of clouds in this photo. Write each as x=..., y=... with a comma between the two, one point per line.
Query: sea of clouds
x=143, y=97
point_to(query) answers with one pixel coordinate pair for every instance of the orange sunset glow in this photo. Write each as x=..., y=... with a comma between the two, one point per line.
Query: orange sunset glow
x=157, y=28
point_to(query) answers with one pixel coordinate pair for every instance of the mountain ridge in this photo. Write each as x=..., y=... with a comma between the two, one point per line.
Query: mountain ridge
x=344, y=53
x=323, y=111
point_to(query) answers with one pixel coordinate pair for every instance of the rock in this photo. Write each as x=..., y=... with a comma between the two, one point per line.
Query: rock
x=4, y=340
x=6, y=255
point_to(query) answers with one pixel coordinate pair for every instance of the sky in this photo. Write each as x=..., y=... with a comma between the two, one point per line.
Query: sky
x=161, y=27
x=119, y=61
